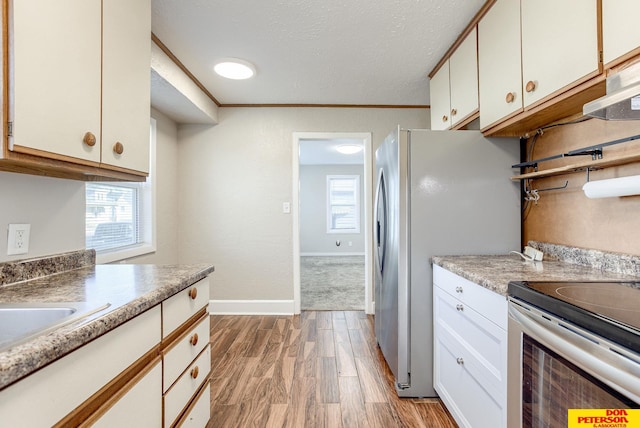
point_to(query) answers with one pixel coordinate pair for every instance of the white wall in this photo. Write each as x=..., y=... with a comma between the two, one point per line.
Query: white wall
x=313, y=211
x=234, y=178
x=54, y=207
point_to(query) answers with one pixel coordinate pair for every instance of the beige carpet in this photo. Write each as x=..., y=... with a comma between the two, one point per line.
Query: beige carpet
x=332, y=283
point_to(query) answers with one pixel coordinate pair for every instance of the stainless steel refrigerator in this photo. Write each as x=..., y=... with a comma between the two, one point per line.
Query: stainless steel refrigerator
x=438, y=193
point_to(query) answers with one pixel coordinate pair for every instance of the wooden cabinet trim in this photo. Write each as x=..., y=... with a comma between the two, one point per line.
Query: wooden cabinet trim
x=185, y=413
x=467, y=120
x=472, y=24
x=100, y=402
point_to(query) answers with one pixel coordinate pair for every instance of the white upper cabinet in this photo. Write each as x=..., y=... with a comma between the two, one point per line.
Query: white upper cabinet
x=499, y=62
x=55, y=77
x=440, y=99
x=454, y=88
x=463, y=73
x=79, y=81
x=559, y=45
x=126, y=83
x=620, y=33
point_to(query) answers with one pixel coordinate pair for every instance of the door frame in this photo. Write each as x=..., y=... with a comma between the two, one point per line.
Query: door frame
x=365, y=137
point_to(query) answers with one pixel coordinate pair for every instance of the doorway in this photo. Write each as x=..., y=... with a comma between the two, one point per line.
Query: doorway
x=328, y=262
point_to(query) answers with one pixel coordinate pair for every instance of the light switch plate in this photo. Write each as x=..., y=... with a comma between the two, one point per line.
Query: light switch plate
x=18, y=239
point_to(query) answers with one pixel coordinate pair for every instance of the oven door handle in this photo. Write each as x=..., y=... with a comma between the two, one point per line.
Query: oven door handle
x=612, y=368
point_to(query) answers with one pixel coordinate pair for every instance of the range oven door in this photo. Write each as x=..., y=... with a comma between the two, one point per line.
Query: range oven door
x=555, y=366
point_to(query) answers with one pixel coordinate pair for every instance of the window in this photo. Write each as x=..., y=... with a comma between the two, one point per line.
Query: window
x=343, y=204
x=119, y=215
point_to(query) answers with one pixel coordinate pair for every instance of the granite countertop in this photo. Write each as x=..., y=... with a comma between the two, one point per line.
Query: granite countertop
x=128, y=289
x=495, y=272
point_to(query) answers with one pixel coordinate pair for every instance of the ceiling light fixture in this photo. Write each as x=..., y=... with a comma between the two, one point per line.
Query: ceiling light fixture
x=234, y=68
x=349, y=149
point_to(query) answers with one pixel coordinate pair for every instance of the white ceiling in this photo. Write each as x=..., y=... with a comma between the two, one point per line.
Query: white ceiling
x=356, y=52
x=323, y=152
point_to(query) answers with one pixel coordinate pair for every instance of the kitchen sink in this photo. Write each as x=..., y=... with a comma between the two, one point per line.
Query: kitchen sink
x=20, y=321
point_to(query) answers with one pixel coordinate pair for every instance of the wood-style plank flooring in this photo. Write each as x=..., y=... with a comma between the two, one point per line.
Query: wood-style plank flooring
x=317, y=369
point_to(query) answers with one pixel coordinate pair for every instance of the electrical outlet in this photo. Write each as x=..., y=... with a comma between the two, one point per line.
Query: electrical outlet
x=18, y=239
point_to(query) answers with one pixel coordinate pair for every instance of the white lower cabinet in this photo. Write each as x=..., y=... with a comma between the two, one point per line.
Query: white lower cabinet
x=470, y=350
x=151, y=371
x=186, y=356
x=136, y=408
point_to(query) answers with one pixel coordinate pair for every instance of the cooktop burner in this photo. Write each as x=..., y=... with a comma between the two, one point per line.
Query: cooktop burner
x=610, y=309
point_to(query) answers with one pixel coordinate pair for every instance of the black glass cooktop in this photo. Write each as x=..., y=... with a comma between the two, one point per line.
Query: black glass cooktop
x=609, y=309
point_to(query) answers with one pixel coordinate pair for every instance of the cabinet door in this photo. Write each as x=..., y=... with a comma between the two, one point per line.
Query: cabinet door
x=499, y=62
x=619, y=28
x=126, y=83
x=439, y=94
x=559, y=45
x=55, y=77
x=463, y=76
x=141, y=405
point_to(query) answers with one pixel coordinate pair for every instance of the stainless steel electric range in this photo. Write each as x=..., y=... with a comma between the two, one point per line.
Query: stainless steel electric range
x=572, y=345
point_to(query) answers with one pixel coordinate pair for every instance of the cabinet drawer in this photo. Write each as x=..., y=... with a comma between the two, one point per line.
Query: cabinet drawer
x=479, y=339
x=177, y=398
x=199, y=414
x=179, y=308
x=184, y=350
x=492, y=305
x=462, y=389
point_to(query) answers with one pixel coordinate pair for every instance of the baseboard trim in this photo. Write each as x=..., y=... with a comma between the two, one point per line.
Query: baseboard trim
x=251, y=307
x=329, y=254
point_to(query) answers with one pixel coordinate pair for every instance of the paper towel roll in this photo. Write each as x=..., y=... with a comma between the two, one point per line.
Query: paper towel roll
x=624, y=186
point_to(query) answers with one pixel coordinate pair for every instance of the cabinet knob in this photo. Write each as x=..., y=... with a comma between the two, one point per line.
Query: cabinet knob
x=454, y=112
x=459, y=307
x=118, y=148
x=194, y=339
x=445, y=118
x=510, y=97
x=193, y=293
x=531, y=86
x=459, y=289
x=89, y=139
x=459, y=360
x=194, y=372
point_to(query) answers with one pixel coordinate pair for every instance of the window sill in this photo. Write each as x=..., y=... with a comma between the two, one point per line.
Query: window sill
x=125, y=253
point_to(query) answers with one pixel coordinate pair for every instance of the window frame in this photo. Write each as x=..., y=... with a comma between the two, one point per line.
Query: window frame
x=356, y=178
x=147, y=212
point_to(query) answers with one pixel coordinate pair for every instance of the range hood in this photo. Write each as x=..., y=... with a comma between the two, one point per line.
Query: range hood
x=622, y=101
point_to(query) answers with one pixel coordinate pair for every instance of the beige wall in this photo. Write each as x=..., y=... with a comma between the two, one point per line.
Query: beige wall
x=167, y=200
x=54, y=207
x=234, y=178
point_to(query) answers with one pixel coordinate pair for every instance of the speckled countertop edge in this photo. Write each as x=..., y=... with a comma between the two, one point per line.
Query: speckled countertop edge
x=494, y=272
x=130, y=289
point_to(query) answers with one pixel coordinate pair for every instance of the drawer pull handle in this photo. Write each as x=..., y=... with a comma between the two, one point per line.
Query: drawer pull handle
x=89, y=139
x=445, y=118
x=193, y=293
x=459, y=360
x=194, y=372
x=459, y=307
x=194, y=339
x=459, y=289
x=454, y=112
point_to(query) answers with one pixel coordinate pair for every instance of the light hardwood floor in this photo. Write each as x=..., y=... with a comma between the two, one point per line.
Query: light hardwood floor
x=318, y=369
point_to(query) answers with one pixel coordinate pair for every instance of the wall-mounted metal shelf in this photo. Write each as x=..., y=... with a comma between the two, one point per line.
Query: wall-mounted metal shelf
x=596, y=162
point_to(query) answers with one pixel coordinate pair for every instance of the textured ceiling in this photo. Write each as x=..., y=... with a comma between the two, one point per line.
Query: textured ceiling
x=360, y=52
